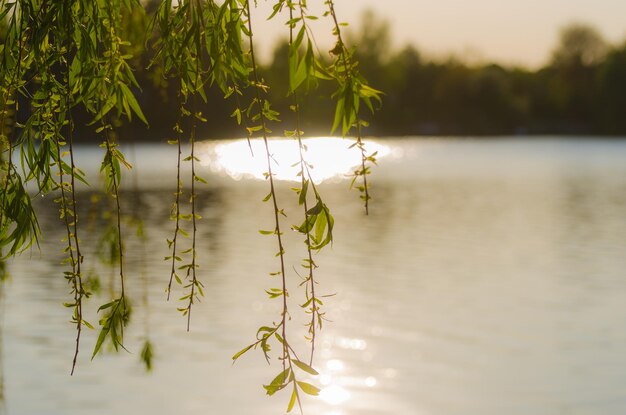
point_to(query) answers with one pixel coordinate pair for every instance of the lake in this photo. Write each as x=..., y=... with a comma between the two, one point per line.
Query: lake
x=489, y=278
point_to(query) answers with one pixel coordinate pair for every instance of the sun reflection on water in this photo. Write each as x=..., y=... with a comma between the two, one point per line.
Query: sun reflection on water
x=335, y=395
x=370, y=381
x=330, y=157
x=353, y=344
x=334, y=365
x=340, y=386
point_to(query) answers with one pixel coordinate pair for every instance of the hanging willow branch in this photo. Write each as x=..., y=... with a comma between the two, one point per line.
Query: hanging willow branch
x=318, y=222
x=260, y=114
x=181, y=48
x=68, y=202
x=76, y=56
x=353, y=90
x=19, y=227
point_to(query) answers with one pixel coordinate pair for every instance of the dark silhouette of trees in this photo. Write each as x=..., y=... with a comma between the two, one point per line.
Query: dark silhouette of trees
x=580, y=45
x=581, y=90
x=612, y=92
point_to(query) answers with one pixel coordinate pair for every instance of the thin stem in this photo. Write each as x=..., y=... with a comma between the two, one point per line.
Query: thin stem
x=77, y=261
x=179, y=190
x=348, y=75
x=115, y=188
x=281, y=251
x=303, y=168
x=361, y=147
x=115, y=184
x=194, y=281
x=74, y=261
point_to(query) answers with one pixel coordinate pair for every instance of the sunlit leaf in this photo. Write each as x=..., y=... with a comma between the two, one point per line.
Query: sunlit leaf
x=308, y=388
x=292, y=400
x=305, y=367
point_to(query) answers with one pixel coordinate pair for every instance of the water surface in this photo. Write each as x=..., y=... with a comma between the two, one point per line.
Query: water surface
x=488, y=279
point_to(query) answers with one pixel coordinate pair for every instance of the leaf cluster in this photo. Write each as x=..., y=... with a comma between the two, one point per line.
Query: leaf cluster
x=116, y=316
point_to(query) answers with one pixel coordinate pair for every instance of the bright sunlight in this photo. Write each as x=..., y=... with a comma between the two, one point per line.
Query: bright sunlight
x=329, y=157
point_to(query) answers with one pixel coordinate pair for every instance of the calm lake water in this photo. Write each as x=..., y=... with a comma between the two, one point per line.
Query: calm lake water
x=488, y=279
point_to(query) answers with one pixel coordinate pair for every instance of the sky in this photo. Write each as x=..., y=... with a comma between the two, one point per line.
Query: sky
x=511, y=32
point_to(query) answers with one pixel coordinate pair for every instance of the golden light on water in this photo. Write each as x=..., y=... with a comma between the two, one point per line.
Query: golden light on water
x=341, y=384
x=370, y=381
x=334, y=365
x=335, y=395
x=330, y=157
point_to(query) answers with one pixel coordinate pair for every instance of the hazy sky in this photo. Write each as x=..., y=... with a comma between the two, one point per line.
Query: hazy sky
x=508, y=31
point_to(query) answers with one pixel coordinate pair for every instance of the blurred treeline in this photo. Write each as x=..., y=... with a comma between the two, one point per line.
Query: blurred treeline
x=581, y=90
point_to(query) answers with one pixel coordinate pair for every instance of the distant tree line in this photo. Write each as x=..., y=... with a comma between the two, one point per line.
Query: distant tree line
x=581, y=90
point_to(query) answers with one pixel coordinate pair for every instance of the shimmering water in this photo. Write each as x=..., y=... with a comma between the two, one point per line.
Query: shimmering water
x=488, y=279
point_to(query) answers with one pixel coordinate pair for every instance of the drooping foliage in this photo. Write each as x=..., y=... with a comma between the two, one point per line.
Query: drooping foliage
x=76, y=59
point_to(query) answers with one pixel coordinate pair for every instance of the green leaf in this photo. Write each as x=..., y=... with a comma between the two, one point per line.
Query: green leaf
x=298, y=40
x=302, y=197
x=237, y=114
x=280, y=339
x=147, y=354
x=108, y=105
x=292, y=401
x=297, y=67
x=278, y=383
x=339, y=115
x=101, y=337
x=320, y=226
x=242, y=351
x=315, y=210
x=305, y=367
x=308, y=388
x=107, y=305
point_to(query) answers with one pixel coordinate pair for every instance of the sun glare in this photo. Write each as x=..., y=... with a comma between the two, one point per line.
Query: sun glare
x=329, y=157
x=334, y=395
